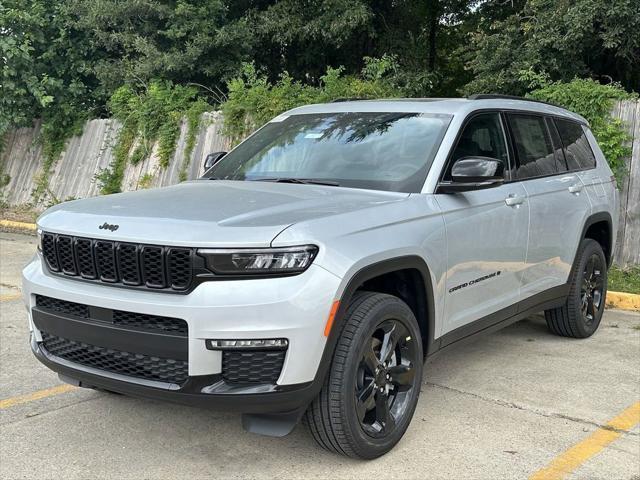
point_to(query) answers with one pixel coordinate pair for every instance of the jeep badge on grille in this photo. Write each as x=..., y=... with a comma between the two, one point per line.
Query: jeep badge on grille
x=108, y=226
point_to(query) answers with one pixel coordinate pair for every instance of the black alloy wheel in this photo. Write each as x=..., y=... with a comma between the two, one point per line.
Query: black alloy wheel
x=385, y=378
x=580, y=315
x=591, y=290
x=373, y=384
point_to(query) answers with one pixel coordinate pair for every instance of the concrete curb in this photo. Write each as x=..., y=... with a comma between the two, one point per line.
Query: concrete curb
x=22, y=227
x=623, y=301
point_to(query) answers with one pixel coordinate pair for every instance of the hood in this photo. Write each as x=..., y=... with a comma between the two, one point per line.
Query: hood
x=212, y=213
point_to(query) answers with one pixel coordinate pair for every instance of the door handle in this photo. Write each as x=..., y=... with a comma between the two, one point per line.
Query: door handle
x=576, y=188
x=514, y=200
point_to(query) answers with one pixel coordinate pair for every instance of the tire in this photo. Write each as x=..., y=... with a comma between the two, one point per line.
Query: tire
x=361, y=429
x=580, y=316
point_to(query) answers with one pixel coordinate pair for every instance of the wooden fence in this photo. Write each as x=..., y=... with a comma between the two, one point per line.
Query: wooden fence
x=628, y=244
x=85, y=156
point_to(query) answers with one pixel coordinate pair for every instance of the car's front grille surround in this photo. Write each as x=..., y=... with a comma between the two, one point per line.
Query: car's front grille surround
x=122, y=263
x=249, y=367
x=116, y=361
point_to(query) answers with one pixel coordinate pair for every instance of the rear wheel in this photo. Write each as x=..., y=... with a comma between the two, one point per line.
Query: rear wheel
x=580, y=316
x=371, y=391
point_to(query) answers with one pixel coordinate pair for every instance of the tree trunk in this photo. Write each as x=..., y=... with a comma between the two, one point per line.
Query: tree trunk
x=433, y=16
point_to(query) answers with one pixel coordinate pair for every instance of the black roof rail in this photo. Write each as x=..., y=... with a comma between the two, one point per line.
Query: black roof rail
x=496, y=96
x=348, y=99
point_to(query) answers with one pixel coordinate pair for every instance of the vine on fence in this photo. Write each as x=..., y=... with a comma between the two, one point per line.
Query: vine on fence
x=193, y=118
x=148, y=115
x=154, y=113
x=594, y=102
x=57, y=127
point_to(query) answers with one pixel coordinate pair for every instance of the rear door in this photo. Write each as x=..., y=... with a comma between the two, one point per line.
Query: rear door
x=486, y=232
x=581, y=160
x=557, y=200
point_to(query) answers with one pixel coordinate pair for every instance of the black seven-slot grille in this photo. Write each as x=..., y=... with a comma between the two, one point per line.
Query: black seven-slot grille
x=129, y=264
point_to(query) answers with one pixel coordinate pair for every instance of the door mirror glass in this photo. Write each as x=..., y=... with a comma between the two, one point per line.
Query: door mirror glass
x=212, y=159
x=477, y=169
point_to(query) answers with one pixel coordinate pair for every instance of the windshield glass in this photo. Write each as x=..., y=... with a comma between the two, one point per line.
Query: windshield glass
x=383, y=151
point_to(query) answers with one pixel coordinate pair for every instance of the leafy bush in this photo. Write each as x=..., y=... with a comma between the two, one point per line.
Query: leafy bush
x=253, y=100
x=145, y=181
x=594, y=102
x=151, y=114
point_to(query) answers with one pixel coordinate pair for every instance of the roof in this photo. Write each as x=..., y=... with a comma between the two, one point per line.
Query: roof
x=451, y=106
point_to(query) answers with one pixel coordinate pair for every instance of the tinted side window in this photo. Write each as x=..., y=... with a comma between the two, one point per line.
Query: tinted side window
x=576, y=146
x=561, y=164
x=482, y=136
x=533, y=146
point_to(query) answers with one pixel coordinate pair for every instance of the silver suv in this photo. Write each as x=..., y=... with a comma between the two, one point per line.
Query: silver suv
x=317, y=265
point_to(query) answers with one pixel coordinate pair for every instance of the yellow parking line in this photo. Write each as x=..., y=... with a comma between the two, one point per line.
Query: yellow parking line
x=10, y=296
x=572, y=458
x=30, y=397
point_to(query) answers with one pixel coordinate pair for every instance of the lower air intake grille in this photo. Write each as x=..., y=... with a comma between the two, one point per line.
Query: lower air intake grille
x=250, y=367
x=133, y=320
x=116, y=361
x=156, y=323
x=62, y=306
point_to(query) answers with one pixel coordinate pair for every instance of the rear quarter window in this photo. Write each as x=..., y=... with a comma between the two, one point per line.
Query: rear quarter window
x=577, y=150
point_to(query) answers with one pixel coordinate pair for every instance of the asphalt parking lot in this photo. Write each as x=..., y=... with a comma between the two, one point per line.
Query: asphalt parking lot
x=520, y=403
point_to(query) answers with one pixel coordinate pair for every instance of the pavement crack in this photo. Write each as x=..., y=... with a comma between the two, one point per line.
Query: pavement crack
x=536, y=411
x=29, y=416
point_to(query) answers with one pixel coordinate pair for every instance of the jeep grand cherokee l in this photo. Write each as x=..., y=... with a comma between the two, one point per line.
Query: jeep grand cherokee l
x=315, y=267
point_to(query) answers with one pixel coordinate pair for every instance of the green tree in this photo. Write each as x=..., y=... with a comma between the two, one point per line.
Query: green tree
x=44, y=63
x=558, y=40
x=184, y=41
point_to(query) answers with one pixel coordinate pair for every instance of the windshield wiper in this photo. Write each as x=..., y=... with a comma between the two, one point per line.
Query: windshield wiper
x=306, y=181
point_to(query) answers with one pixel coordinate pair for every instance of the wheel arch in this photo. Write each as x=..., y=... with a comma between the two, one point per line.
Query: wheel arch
x=599, y=227
x=424, y=308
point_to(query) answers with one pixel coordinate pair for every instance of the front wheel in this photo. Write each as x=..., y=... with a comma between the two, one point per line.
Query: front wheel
x=371, y=391
x=580, y=316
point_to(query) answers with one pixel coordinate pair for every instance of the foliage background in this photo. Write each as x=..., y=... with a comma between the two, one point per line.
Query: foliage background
x=155, y=63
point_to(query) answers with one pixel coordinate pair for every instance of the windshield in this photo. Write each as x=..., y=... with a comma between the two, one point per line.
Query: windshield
x=382, y=151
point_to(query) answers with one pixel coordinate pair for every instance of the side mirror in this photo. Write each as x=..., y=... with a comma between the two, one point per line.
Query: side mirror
x=474, y=173
x=212, y=159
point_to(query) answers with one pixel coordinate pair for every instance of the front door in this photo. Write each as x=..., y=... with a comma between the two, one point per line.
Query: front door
x=487, y=233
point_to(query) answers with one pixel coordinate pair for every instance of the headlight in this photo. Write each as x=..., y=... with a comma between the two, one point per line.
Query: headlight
x=259, y=261
x=39, y=239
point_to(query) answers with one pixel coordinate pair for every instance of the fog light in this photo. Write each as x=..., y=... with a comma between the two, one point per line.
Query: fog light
x=262, y=344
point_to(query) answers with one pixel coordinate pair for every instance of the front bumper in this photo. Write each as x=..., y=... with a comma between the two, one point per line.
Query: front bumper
x=206, y=391
x=295, y=308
